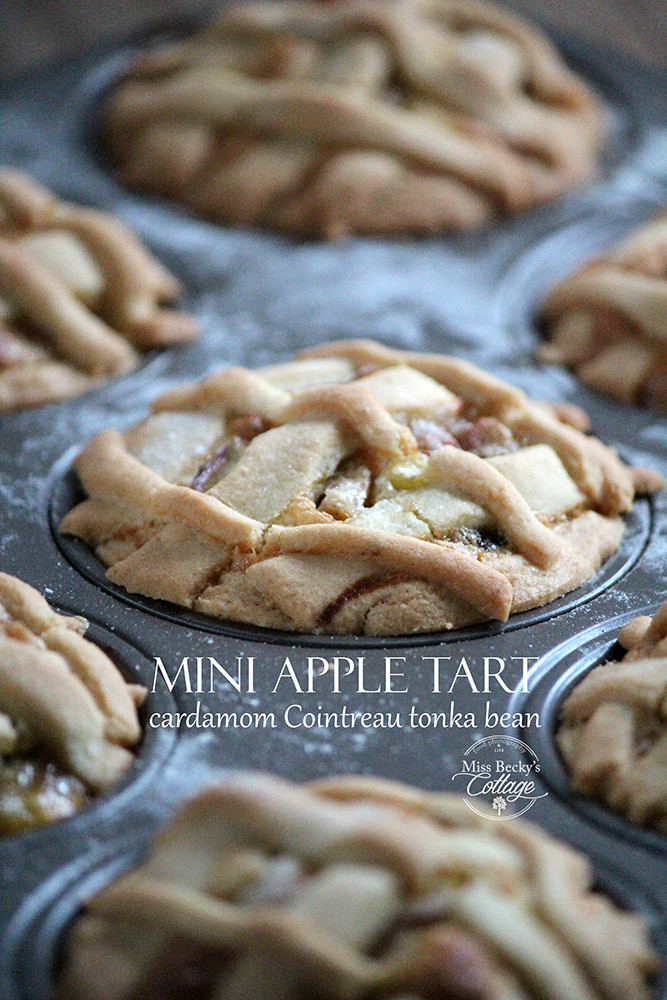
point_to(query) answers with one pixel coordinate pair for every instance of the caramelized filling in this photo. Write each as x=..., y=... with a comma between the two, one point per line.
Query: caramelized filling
x=33, y=792
x=489, y=539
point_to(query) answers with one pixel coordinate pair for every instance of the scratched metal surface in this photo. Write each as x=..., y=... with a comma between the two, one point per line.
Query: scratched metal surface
x=258, y=297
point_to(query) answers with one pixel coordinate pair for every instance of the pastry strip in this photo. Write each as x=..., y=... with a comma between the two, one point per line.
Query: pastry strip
x=352, y=887
x=78, y=293
x=613, y=736
x=109, y=465
x=485, y=589
x=79, y=335
x=396, y=117
x=608, y=320
x=463, y=472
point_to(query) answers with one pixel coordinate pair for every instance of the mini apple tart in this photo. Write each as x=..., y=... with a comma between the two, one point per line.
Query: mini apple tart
x=68, y=719
x=79, y=297
x=405, y=116
x=608, y=321
x=353, y=888
x=613, y=732
x=357, y=489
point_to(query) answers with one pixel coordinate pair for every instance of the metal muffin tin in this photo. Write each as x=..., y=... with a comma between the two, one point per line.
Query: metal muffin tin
x=258, y=297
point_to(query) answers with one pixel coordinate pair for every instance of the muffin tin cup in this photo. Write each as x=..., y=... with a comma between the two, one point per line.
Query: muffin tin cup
x=37, y=857
x=258, y=297
x=150, y=756
x=555, y=677
x=35, y=943
x=67, y=493
x=525, y=285
x=631, y=895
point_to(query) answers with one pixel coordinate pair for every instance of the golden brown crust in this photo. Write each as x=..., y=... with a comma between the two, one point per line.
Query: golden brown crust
x=408, y=557
x=608, y=321
x=404, y=116
x=613, y=736
x=333, y=494
x=79, y=295
x=107, y=467
x=354, y=887
x=61, y=694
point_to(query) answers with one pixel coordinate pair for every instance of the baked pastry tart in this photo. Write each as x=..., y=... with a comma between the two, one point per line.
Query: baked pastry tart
x=68, y=719
x=357, y=489
x=352, y=887
x=80, y=297
x=613, y=732
x=608, y=321
x=406, y=116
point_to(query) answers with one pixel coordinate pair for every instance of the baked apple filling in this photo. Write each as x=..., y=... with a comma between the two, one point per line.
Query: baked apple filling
x=34, y=792
x=68, y=719
x=356, y=489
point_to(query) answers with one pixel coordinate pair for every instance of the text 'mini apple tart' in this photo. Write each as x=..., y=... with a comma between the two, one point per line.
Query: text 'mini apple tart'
x=608, y=320
x=613, y=732
x=80, y=297
x=356, y=489
x=367, y=116
x=352, y=889
x=68, y=719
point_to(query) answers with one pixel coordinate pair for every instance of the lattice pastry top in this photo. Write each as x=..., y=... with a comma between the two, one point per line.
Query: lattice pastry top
x=357, y=117
x=79, y=296
x=608, y=321
x=353, y=887
x=613, y=735
x=356, y=489
x=68, y=720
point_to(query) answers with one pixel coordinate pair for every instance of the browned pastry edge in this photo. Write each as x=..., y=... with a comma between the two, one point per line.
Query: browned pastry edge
x=53, y=344
x=278, y=117
x=60, y=693
x=613, y=736
x=608, y=320
x=293, y=565
x=353, y=887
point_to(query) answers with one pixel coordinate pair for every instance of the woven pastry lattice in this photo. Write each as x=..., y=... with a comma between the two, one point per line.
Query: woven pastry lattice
x=608, y=321
x=356, y=489
x=366, y=117
x=353, y=888
x=62, y=702
x=79, y=297
x=613, y=736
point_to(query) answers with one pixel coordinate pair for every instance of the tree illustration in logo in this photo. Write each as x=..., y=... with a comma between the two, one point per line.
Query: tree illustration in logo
x=499, y=803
